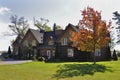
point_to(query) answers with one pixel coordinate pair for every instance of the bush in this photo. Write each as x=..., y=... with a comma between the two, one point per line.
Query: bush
x=118, y=54
x=5, y=55
x=41, y=58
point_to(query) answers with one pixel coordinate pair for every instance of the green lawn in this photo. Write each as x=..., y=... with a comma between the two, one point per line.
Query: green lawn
x=61, y=71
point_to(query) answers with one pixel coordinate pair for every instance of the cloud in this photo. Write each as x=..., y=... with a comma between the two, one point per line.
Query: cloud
x=4, y=10
x=5, y=41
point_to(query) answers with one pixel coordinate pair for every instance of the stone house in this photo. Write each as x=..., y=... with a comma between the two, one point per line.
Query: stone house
x=16, y=43
x=55, y=45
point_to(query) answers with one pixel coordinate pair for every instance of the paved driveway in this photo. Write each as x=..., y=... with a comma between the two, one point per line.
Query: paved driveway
x=14, y=62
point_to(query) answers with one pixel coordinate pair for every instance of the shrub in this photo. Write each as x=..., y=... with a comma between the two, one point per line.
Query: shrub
x=118, y=54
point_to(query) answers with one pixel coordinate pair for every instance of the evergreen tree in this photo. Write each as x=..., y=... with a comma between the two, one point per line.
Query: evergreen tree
x=115, y=57
x=9, y=51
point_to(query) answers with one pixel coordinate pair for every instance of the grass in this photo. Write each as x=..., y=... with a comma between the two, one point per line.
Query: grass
x=108, y=70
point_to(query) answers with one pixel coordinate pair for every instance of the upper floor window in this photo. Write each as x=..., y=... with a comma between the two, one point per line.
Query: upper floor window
x=33, y=43
x=64, y=41
x=25, y=43
x=50, y=42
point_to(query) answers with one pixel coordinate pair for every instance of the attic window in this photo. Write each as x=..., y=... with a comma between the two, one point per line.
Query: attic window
x=33, y=43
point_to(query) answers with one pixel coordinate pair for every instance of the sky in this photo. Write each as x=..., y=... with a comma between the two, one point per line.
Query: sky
x=61, y=12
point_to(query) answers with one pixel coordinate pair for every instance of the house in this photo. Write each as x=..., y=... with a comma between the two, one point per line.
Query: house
x=16, y=43
x=48, y=47
x=29, y=42
x=65, y=51
x=55, y=45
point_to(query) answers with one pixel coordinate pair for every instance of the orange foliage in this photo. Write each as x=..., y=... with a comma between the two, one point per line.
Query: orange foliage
x=93, y=31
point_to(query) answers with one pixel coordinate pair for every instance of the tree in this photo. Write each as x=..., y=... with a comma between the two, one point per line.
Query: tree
x=18, y=26
x=93, y=32
x=42, y=24
x=117, y=28
x=115, y=58
x=9, y=51
x=116, y=17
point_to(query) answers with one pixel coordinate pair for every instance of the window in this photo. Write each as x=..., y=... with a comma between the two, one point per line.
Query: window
x=50, y=42
x=25, y=43
x=70, y=53
x=97, y=53
x=33, y=43
x=64, y=41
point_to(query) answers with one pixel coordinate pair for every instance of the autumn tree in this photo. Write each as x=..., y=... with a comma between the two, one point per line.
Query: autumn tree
x=18, y=26
x=93, y=32
x=42, y=24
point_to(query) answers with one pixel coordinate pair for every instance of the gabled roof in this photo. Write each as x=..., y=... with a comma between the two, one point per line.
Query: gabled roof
x=52, y=34
x=17, y=40
x=72, y=26
x=36, y=34
x=75, y=28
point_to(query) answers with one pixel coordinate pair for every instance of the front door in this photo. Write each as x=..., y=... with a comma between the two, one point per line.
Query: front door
x=48, y=54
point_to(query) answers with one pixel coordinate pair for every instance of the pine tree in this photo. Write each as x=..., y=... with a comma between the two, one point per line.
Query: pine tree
x=9, y=51
x=115, y=57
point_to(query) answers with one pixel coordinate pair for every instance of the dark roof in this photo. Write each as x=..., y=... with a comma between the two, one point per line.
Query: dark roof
x=52, y=34
x=37, y=34
x=74, y=27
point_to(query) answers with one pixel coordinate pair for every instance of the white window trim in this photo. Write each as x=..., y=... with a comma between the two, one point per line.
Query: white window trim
x=64, y=41
x=97, y=53
x=70, y=53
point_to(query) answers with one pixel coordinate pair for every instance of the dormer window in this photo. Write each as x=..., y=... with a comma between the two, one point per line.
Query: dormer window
x=64, y=41
x=50, y=41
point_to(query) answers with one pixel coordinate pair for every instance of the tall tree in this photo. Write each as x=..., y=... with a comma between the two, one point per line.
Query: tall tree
x=19, y=25
x=93, y=32
x=42, y=24
x=9, y=51
x=115, y=57
x=116, y=17
x=117, y=28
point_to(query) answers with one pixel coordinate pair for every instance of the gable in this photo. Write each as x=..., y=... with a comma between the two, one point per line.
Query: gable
x=68, y=31
x=32, y=37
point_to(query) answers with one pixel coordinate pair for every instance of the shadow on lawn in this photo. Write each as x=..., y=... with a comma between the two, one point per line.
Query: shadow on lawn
x=71, y=70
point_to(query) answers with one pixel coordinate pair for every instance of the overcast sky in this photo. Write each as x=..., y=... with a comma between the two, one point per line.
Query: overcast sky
x=60, y=12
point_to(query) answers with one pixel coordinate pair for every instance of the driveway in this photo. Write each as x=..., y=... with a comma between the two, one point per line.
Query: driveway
x=14, y=62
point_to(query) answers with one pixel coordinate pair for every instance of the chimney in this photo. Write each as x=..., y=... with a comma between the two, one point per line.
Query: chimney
x=54, y=28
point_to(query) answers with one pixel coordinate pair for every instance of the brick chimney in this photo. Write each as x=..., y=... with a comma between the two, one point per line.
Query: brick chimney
x=54, y=28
